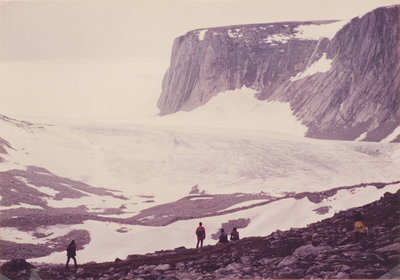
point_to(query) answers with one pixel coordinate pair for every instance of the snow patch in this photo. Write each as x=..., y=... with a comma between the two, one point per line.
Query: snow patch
x=119, y=216
x=92, y=202
x=316, y=31
x=201, y=34
x=8, y=165
x=17, y=236
x=20, y=205
x=235, y=33
x=46, y=190
x=238, y=109
x=281, y=38
x=201, y=198
x=243, y=204
x=322, y=65
x=43, y=173
x=283, y=215
x=152, y=217
x=362, y=136
x=392, y=135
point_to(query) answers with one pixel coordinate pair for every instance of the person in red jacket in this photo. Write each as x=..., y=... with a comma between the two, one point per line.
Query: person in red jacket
x=201, y=235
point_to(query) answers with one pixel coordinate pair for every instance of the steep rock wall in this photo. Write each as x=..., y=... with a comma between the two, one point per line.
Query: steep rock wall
x=361, y=92
x=358, y=96
x=226, y=58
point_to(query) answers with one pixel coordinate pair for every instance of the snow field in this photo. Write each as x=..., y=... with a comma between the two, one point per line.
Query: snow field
x=322, y=65
x=283, y=215
x=139, y=159
x=316, y=31
x=219, y=148
x=236, y=109
x=392, y=136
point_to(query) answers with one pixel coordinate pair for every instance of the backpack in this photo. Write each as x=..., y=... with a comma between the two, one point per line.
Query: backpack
x=223, y=238
x=200, y=232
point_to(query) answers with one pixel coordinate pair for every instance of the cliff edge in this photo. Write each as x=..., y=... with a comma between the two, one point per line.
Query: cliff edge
x=342, y=80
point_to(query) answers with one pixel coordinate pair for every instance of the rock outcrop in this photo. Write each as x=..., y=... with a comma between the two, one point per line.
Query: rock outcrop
x=358, y=95
x=4, y=145
x=324, y=250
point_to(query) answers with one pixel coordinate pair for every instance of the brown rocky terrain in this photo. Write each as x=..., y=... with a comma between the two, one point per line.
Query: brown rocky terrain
x=325, y=249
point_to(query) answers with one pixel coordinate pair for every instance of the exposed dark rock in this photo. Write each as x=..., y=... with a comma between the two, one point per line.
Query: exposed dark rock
x=11, y=250
x=317, y=251
x=3, y=145
x=17, y=190
x=195, y=190
x=322, y=210
x=359, y=94
x=17, y=269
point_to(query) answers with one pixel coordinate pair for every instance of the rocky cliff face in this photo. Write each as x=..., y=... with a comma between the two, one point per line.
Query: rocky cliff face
x=357, y=93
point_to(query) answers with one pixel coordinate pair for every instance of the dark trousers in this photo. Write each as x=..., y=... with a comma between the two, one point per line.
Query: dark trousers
x=68, y=258
x=199, y=241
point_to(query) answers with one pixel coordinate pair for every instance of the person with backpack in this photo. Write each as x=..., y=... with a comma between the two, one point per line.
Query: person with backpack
x=71, y=253
x=234, y=234
x=223, y=237
x=201, y=235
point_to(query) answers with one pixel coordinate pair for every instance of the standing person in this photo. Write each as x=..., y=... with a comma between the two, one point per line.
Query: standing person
x=71, y=253
x=234, y=234
x=223, y=237
x=201, y=235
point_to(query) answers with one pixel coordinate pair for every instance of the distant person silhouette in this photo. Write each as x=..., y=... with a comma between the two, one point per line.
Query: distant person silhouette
x=223, y=237
x=201, y=235
x=234, y=234
x=71, y=253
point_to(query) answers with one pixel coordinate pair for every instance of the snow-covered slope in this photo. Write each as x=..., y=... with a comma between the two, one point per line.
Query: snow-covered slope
x=153, y=160
x=282, y=215
x=237, y=109
x=159, y=160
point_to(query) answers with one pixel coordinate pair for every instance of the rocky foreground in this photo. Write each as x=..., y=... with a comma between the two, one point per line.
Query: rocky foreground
x=322, y=250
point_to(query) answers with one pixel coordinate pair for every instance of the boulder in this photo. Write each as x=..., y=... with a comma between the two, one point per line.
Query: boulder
x=16, y=265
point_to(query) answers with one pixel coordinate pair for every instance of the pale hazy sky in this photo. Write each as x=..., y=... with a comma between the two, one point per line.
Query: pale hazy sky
x=107, y=58
x=143, y=28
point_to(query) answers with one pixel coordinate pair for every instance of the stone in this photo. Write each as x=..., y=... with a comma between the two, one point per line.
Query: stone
x=341, y=275
x=391, y=247
x=162, y=267
x=290, y=273
x=17, y=265
x=247, y=260
x=309, y=249
x=234, y=266
x=288, y=261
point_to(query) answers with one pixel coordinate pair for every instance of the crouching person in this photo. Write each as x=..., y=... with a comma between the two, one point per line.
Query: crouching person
x=359, y=227
x=223, y=237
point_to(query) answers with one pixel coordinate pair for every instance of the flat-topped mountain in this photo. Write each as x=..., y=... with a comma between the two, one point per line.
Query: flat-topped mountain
x=340, y=78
